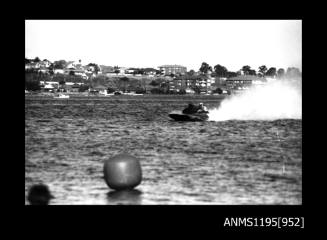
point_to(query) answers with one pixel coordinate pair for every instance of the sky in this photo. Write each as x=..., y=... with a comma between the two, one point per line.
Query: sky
x=151, y=43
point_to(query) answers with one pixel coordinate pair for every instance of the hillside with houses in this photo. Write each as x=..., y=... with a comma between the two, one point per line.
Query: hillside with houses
x=91, y=78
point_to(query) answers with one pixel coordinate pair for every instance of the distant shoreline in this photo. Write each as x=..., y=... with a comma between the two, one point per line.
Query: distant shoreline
x=76, y=96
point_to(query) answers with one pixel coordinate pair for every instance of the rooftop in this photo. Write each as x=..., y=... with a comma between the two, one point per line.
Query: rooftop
x=247, y=77
x=194, y=77
x=171, y=66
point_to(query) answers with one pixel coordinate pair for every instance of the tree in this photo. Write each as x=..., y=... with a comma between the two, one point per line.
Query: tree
x=33, y=86
x=154, y=83
x=205, y=68
x=124, y=81
x=246, y=69
x=62, y=82
x=71, y=73
x=280, y=72
x=182, y=91
x=110, y=90
x=263, y=70
x=221, y=71
x=61, y=64
x=149, y=70
x=51, y=67
x=164, y=86
x=37, y=59
x=218, y=90
x=252, y=72
x=159, y=72
x=96, y=69
x=196, y=89
x=95, y=66
x=271, y=72
x=83, y=88
x=293, y=72
x=156, y=91
x=32, y=83
x=191, y=72
x=231, y=74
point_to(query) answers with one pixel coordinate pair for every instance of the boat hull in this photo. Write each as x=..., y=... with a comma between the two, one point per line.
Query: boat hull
x=180, y=116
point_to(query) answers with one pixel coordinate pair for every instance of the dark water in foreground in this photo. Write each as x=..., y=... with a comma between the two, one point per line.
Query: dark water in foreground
x=230, y=162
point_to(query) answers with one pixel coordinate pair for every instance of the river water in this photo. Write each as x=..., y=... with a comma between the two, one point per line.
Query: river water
x=227, y=162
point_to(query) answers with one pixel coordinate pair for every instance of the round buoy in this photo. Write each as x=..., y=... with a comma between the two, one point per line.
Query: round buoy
x=39, y=195
x=122, y=171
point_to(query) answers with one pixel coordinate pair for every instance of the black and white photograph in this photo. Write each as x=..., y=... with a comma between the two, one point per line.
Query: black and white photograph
x=163, y=112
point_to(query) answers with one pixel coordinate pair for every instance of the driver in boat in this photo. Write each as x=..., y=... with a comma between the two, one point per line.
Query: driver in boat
x=191, y=108
x=202, y=108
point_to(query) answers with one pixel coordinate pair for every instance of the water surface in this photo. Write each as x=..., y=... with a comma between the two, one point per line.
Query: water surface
x=228, y=162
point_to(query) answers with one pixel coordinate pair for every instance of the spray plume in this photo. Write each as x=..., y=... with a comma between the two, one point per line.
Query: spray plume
x=277, y=99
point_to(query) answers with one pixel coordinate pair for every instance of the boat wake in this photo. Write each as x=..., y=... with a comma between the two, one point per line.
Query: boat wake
x=278, y=99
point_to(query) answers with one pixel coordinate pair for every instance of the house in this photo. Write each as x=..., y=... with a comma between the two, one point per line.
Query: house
x=67, y=88
x=49, y=85
x=150, y=71
x=75, y=87
x=48, y=88
x=28, y=66
x=203, y=83
x=58, y=71
x=81, y=73
x=44, y=70
x=110, y=74
x=130, y=70
x=49, y=82
x=100, y=89
x=106, y=69
x=90, y=69
x=74, y=64
x=173, y=69
x=219, y=80
x=68, y=71
x=45, y=63
x=70, y=65
x=79, y=83
x=122, y=70
x=76, y=72
x=189, y=91
x=33, y=65
x=242, y=82
x=69, y=83
x=260, y=81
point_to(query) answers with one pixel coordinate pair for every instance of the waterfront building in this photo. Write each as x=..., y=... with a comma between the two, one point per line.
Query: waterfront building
x=173, y=69
x=242, y=82
x=58, y=71
x=203, y=83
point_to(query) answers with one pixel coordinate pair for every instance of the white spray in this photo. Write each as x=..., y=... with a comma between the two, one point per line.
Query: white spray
x=278, y=99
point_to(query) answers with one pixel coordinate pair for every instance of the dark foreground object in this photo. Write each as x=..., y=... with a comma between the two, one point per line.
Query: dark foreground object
x=39, y=195
x=122, y=171
x=180, y=116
